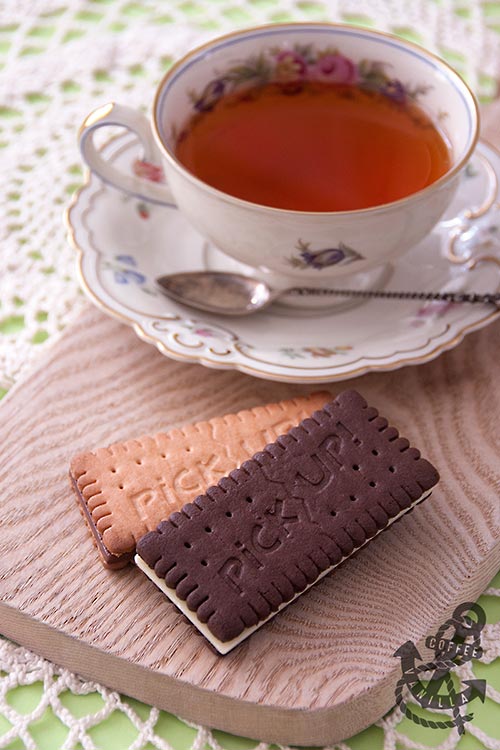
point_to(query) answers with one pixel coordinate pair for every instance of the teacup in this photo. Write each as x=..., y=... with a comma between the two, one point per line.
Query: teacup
x=311, y=246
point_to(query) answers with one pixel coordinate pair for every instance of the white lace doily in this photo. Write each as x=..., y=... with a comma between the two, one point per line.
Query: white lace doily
x=60, y=59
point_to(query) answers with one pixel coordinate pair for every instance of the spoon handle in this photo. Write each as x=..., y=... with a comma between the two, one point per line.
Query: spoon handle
x=471, y=297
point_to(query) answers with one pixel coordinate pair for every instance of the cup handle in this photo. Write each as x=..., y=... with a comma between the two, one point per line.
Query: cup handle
x=466, y=237
x=132, y=119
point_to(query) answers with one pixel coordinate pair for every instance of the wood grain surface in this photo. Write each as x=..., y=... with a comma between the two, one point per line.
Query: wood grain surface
x=323, y=669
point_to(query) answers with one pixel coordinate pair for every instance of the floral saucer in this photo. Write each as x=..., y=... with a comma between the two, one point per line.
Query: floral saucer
x=123, y=245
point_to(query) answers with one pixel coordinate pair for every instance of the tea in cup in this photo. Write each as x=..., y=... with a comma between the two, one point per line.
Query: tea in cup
x=307, y=151
x=314, y=145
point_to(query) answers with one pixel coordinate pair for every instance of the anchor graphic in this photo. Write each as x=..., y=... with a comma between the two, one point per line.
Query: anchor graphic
x=429, y=695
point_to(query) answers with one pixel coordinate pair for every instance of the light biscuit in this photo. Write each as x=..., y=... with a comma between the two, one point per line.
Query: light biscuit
x=125, y=490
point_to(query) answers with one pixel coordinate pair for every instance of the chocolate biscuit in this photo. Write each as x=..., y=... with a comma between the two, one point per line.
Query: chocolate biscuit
x=127, y=489
x=285, y=518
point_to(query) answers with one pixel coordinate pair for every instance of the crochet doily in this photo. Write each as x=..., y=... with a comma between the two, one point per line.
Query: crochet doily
x=59, y=59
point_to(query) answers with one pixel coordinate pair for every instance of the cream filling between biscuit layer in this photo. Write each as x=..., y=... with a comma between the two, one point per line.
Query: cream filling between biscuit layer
x=223, y=647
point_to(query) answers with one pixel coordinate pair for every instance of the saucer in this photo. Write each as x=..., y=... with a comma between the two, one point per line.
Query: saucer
x=124, y=244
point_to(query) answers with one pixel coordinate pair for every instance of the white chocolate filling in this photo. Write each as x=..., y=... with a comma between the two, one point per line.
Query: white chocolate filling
x=223, y=647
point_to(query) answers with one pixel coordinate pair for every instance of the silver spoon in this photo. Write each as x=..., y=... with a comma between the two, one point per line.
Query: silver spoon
x=234, y=294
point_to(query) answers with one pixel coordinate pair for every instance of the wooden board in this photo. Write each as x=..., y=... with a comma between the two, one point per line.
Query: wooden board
x=321, y=670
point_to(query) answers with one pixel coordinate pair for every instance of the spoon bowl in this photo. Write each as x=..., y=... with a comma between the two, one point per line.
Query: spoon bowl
x=218, y=292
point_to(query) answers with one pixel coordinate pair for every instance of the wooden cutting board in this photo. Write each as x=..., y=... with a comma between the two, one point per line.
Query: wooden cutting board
x=323, y=668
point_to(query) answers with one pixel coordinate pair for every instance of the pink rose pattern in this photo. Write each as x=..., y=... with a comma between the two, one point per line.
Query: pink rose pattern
x=291, y=67
x=334, y=69
x=148, y=170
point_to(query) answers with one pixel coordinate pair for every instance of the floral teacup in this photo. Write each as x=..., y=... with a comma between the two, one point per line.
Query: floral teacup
x=313, y=247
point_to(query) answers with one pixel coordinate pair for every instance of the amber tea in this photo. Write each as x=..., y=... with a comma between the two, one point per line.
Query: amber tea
x=316, y=146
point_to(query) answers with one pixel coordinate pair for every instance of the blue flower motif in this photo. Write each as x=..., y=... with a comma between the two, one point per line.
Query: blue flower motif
x=323, y=258
x=210, y=95
x=128, y=277
x=395, y=91
x=318, y=259
x=127, y=260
